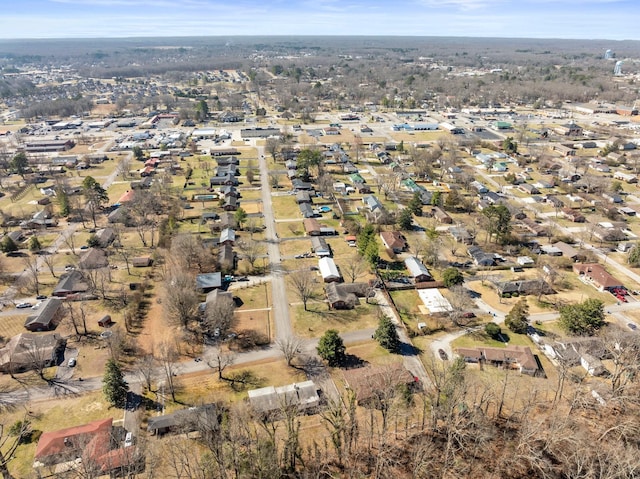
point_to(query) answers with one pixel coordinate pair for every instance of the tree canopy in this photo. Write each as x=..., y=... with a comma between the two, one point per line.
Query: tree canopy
x=405, y=219
x=20, y=163
x=583, y=319
x=518, y=318
x=387, y=335
x=499, y=222
x=114, y=386
x=331, y=348
x=452, y=277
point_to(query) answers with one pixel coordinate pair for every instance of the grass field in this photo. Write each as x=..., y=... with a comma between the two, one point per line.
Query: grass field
x=314, y=323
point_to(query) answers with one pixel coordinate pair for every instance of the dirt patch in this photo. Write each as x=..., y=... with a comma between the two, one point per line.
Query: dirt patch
x=155, y=328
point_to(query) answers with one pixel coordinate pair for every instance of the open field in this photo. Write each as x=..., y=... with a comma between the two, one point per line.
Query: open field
x=314, y=323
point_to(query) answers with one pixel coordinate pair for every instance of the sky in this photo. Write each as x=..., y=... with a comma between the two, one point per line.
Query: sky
x=582, y=19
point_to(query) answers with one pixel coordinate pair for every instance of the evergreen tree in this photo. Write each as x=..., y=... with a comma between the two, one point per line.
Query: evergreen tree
x=365, y=236
x=114, y=386
x=20, y=163
x=387, y=335
x=583, y=319
x=34, y=244
x=405, y=219
x=499, y=221
x=331, y=348
x=8, y=245
x=452, y=277
x=240, y=217
x=415, y=205
x=518, y=318
x=63, y=202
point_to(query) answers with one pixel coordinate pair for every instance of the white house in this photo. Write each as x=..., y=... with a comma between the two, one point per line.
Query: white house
x=328, y=270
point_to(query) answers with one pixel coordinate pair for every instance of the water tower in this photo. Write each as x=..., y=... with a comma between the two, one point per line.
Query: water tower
x=609, y=55
x=617, y=69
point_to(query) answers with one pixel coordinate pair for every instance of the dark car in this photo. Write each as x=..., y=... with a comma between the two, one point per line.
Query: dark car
x=443, y=354
x=469, y=314
x=632, y=326
x=41, y=296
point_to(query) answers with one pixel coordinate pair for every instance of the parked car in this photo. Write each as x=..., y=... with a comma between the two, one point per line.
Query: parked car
x=41, y=296
x=632, y=326
x=72, y=362
x=443, y=354
x=469, y=314
x=23, y=305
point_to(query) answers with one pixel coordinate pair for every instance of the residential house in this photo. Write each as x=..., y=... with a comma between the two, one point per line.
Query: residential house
x=307, y=210
x=596, y=275
x=70, y=283
x=372, y=203
x=230, y=203
x=302, y=396
x=608, y=234
x=227, y=236
x=568, y=251
x=328, y=270
x=299, y=185
x=183, y=421
x=345, y=295
x=46, y=317
x=320, y=247
x=511, y=357
x=569, y=129
x=528, y=188
x=303, y=197
x=369, y=383
x=93, y=444
x=228, y=180
x=227, y=258
x=27, y=351
x=440, y=215
x=394, y=241
x=417, y=270
x=461, y=235
x=311, y=227
x=480, y=258
x=573, y=215
x=208, y=281
x=523, y=287
x=93, y=258
x=105, y=237
x=625, y=246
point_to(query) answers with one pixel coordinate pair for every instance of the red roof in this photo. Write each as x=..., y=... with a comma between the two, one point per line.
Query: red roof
x=128, y=196
x=95, y=438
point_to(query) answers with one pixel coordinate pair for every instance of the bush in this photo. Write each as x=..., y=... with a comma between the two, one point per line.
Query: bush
x=492, y=330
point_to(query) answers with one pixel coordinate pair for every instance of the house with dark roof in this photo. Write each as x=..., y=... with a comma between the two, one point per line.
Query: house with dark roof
x=480, y=258
x=228, y=179
x=227, y=258
x=523, y=287
x=183, y=421
x=105, y=237
x=311, y=227
x=303, y=197
x=417, y=270
x=46, y=317
x=71, y=283
x=299, y=185
x=93, y=258
x=441, y=215
x=27, y=351
x=307, y=210
x=320, y=247
x=345, y=295
x=461, y=235
x=511, y=357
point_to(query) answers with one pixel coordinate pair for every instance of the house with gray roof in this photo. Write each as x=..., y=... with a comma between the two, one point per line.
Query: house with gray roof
x=417, y=270
x=46, y=317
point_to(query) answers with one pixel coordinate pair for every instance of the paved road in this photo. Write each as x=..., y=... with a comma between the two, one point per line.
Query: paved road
x=280, y=304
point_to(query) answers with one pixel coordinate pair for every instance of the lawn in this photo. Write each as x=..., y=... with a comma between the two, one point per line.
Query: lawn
x=313, y=323
x=285, y=207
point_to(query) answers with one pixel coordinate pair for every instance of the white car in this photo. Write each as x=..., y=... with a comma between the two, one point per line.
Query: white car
x=23, y=305
x=72, y=362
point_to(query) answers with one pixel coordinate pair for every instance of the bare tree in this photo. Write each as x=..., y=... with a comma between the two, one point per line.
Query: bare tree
x=354, y=267
x=219, y=316
x=221, y=361
x=70, y=241
x=251, y=250
x=167, y=355
x=124, y=166
x=145, y=367
x=304, y=286
x=31, y=270
x=290, y=346
x=49, y=260
x=10, y=439
x=460, y=302
x=181, y=299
